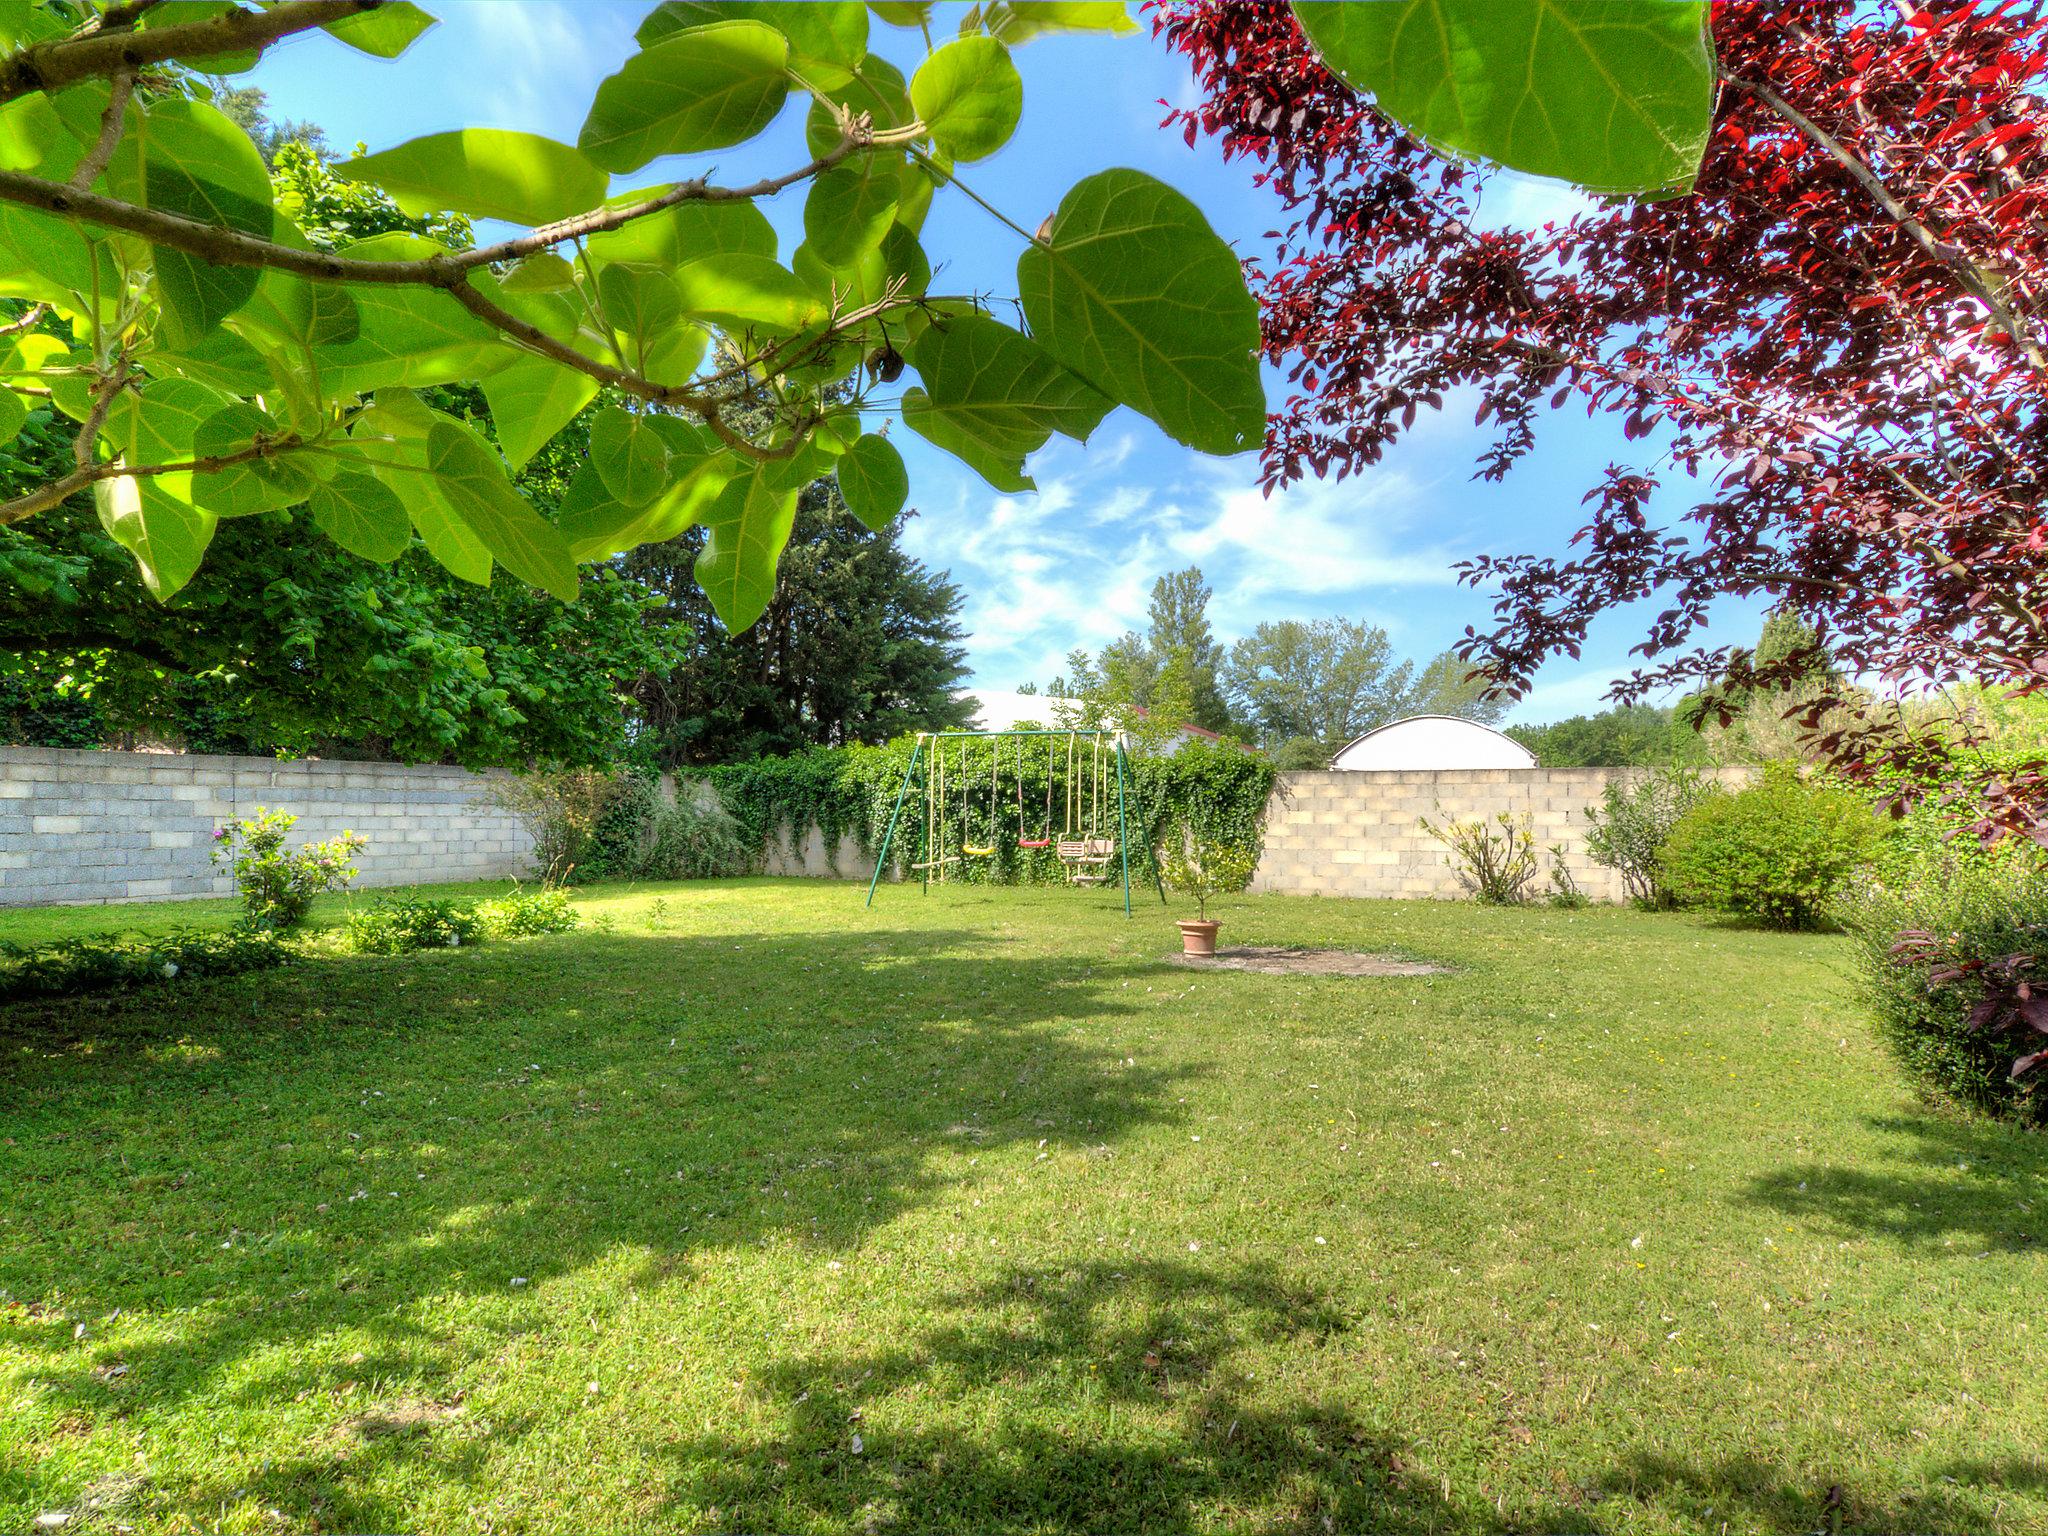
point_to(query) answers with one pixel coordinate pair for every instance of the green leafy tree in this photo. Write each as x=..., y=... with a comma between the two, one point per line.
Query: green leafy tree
x=212, y=363
x=1449, y=686
x=1180, y=632
x=1322, y=682
x=1627, y=736
x=860, y=643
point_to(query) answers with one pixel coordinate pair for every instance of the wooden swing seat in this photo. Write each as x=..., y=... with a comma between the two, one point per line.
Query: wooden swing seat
x=1087, y=858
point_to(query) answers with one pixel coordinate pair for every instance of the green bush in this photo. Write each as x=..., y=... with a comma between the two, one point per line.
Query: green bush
x=1494, y=857
x=520, y=914
x=1931, y=951
x=1634, y=821
x=278, y=887
x=694, y=839
x=71, y=966
x=1777, y=852
x=396, y=925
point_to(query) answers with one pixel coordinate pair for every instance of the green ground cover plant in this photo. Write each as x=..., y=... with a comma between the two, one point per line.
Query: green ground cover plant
x=743, y=1208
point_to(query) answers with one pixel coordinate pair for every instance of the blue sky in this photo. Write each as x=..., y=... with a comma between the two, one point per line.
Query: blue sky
x=1073, y=564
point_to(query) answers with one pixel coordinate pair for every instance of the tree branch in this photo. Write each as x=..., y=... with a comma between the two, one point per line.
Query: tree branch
x=46, y=496
x=95, y=159
x=104, y=52
x=26, y=321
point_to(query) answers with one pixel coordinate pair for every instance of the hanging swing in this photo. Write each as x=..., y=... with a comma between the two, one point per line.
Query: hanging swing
x=1044, y=839
x=936, y=856
x=979, y=851
x=1086, y=855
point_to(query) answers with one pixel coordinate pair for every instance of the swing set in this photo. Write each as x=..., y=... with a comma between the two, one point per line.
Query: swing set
x=1086, y=846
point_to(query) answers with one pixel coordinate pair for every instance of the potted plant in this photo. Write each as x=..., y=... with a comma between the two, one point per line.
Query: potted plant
x=1201, y=866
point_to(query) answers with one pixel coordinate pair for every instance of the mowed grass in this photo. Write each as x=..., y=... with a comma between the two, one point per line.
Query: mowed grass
x=756, y=1211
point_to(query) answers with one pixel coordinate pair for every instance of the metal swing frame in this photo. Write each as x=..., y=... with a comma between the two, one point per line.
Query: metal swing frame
x=929, y=742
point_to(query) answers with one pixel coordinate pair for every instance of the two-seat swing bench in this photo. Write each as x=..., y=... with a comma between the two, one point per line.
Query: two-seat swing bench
x=1089, y=850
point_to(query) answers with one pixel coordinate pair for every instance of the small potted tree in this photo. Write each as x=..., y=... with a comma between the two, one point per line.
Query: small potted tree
x=1203, y=867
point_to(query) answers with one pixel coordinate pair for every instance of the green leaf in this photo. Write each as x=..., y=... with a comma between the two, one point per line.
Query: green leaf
x=873, y=481
x=597, y=525
x=629, y=455
x=903, y=13
x=1615, y=95
x=685, y=232
x=641, y=305
x=992, y=396
x=970, y=95
x=184, y=157
x=363, y=515
x=851, y=207
x=13, y=416
x=385, y=32
x=409, y=336
x=532, y=401
x=490, y=172
x=704, y=88
x=1012, y=22
x=392, y=437
x=1133, y=290
x=474, y=484
x=749, y=524
x=258, y=485
x=742, y=291
x=542, y=272
x=167, y=537
x=29, y=128
x=826, y=40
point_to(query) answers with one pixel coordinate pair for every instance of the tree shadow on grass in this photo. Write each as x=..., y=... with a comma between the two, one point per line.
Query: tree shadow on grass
x=252, y=1166
x=1943, y=1184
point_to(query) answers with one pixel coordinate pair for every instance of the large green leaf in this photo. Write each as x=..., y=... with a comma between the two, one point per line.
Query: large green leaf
x=361, y=514
x=1018, y=21
x=629, y=455
x=642, y=305
x=385, y=32
x=827, y=38
x=184, y=157
x=490, y=172
x=970, y=95
x=851, y=207
x=749, y=524
x=409, y=336
x=256, y=485
x=1615, y=95
x=475, y=486
x=166, y=536
x=532, y=401
x=742, y=291
x=390, y=439
x=685, y=232
x=991, y=396
x=597, y=524
x=873, y=481
x=703, y=88
x=1132, y=290
x=13, y=416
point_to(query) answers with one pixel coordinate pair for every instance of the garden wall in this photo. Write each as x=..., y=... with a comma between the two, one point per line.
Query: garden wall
x=1360, y=834
x=135, y=826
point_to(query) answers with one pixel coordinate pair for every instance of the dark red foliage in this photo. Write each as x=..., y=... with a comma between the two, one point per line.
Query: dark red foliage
x=2010, y=1000
x=1838, y=336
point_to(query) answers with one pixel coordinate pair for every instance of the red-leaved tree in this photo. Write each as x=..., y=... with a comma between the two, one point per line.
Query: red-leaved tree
x=1838, y=336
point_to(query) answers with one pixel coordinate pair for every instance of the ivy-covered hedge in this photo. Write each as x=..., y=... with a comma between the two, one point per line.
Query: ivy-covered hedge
x=848, y=792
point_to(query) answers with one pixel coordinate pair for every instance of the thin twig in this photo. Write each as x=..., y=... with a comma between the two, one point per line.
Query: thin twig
x=28, y=320
x=97, y=158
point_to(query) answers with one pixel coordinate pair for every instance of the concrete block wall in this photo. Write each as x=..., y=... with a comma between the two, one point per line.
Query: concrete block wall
x=81, y=827
x=1360, y=834
x=808, y=858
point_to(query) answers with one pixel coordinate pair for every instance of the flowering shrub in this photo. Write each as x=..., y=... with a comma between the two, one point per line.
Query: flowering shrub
x=277, y=887
x=1495, y=858
x=70, y=966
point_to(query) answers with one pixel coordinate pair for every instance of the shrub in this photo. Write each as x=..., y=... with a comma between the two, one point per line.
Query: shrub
x=519, y=914
x=1198, y=864
x=694, y=839
x=400, y=925
x=1495, y=857
x=277, y=887
x=1941, y=961
x=561, y=810
x=624, y=832
x=1777, y=852
x=1632, y=824
x=70, y=966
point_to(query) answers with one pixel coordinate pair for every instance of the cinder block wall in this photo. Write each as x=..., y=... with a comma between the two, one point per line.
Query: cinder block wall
x=1360, y=834
x=136, y=826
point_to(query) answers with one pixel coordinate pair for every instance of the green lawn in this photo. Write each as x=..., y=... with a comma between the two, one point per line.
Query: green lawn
x=755, y=1211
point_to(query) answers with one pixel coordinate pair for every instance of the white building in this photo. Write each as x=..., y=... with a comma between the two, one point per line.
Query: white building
x=1431, y=742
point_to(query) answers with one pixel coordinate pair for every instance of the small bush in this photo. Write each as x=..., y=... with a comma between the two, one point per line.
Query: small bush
x=278, y=887
x=1777, y=852
x=1632, y=824
x=520, y=914
x=1939, y=959
x=694, y=839
x=400, y=925
x=1204, y=866
x=1495, y=858
x=561, y=811
x=71, y=966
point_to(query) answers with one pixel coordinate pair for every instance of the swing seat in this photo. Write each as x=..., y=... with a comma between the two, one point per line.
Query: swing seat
x=979, y=853
x=1034, y=842
x=1087, y=859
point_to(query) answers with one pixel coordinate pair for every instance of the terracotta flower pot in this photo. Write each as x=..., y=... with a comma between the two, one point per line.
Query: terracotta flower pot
x=1197, y=938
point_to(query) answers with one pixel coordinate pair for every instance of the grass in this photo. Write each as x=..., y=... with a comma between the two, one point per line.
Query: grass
x=757, y=1211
